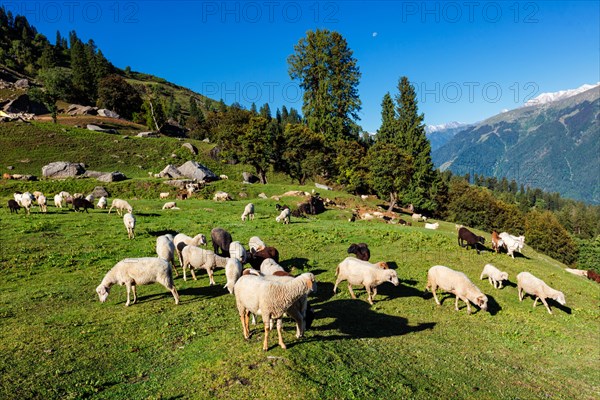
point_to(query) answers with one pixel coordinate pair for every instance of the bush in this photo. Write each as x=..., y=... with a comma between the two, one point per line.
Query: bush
x=544, y=233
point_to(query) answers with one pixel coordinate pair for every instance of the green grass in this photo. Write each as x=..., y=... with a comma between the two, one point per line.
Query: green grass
x=58, y=342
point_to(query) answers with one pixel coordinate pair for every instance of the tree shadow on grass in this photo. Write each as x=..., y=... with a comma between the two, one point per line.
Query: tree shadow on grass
x=162, y=232
x=147, y=214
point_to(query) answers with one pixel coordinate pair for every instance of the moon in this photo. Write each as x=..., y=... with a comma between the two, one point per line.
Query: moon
x=374, y=34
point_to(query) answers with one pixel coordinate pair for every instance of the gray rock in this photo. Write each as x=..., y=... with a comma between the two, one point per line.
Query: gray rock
x=148, y=135
x=250, y=178
x=96, y=128
x=262, y=196
x=100, y=191
x=322, y=187
x=206, y=140
x=23, y=104
x=103, y=112
x=180, y=184
x=196, y=171
x=78, y=109
x=115, y=176
x=21, y=84
x=170, y=171
x=10, y=167
x=93, y=174
x=191, y=148
x=62, y=169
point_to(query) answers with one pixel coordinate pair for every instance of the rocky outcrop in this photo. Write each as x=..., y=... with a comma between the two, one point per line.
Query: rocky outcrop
x=170, y=171
x=196, y=171
x=115, y=176
x=191, y=148
x=23, y=104
x=62, y=169
x=103, y=112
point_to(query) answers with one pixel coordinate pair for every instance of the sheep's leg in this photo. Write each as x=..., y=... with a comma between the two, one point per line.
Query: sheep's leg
x=244, y=320
x=351, y=291
x=267, y=330
x=535, y=301
x=491, y=281
x=456, y=304
x=210, y=277
x=175, y=294
x=183, y=267
x=520, y=293
x=500, y=284
x=128, y=286
x=280, y=333
x=546, y=304
x=192, y=271
x=468, y=305
x=433, y=289
x=338, y=280
x=369, y=297
x=134, y=290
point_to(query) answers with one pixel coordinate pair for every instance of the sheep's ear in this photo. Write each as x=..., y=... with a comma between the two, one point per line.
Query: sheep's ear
x=480, y=301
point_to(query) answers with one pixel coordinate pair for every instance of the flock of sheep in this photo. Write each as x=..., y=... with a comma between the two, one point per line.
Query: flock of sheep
x=268, y=290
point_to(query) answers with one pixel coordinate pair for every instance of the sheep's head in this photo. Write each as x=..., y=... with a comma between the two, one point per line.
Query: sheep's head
x=382, y=265
x=102, y=292
x=481, y=239
x=310, y=282
x=200, y=239
x=504, y=276
x=393, y=277
x=560, y=298
x=481, y=302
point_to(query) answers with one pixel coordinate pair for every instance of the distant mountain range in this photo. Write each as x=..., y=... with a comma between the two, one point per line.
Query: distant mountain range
x=552, y=142
x=439, y=135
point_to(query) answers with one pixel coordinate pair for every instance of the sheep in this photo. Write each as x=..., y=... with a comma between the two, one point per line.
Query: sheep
x=17, y=197
x=171, y=205
x=512, y=243
x=472, y=239
x=82, y=203
x=404, y=223
x=224, y=177
x=257, y=295
x=270, y=266
x=101, y=203
x=497, y=242
x=233, y=272
x=284, y=216
x=358, y=272
x=181, y=240
x=129, y=221
x=256, y=244
x=165, y=249
x=494, y=275
x=41, y=200
x=137, y=271
x=257, y=257
x=361, y=250
x=13, y=206
x=237, y=251
x=221, y=239
x=416, y=217
x=164, y=195
x=248, y=212
x=120, y=205
x=432, y=226
x=58, y=201
x=221, y=196
x=527, y=283
x=197, y=258
x=457, y=227
x=90, y=198
x=27, y=201
x=457, y=283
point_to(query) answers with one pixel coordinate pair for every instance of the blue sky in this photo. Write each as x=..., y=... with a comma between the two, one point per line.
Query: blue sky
x=467, y=59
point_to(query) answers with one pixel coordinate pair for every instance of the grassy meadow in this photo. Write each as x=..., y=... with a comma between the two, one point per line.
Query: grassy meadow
x=57, y=341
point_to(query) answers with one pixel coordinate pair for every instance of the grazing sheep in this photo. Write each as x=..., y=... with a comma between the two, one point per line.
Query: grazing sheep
x=164, y=195
x=90, y=198
x=404, y=223
x=171, y=205
x=361, y=250
x=248, y=212
x=472, y=239
x=221, y=196
x=497, y=242
x=58, y=200
x=233, y=272
x=27, y=201
x=13, y=206
x=137, y=271
x=102, y=203
x=181, y=240
x=165, y=249
x=17, y=196
x=257, y=257
x=42, y=202
x=494, y=275
x=458, y=284
x=256, y=244
x=224, y=177
x=270, y=266
x=120, y=205
x=416, y=217
x=529, y=284
x=512, y=243
x=129, y=221
x=358, y=272
x=237, y=251
x=284, y=216
x=257, y=295
x=432, y=226
x=82, y=203
x=197, y=258
x=221, y=239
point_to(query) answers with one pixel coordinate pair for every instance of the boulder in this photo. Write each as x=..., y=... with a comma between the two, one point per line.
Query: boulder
x=96, y=128
x=93, y=174
x=170, y=171
x=196, y=171
x=103, y=112
x=262, y=196
x=191, y=148
x=180, y=184
x=100, y=191
x=115, y=176
x=250, y=178
x=322, y=187
x=148, y=135
x=78, y=109
x=23, y=104
x=21, y=84
x=62, y=169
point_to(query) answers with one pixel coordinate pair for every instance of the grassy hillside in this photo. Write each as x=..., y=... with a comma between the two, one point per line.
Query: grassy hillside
x=58, y=341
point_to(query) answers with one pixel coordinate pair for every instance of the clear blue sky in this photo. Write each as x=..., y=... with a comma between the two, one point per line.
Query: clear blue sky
x=467, y=59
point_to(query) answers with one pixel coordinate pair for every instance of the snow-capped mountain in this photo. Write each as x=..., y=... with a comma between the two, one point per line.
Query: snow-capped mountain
x=439, y=135
x=443, y=127
x=555, y=96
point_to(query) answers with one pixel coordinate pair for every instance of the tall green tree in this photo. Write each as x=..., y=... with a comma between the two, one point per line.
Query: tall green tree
x=116, y=94
x=329, y=76
x=390, y=169
x=389, y=124
x=57, y=85
x=303, y=154
x=83, y=79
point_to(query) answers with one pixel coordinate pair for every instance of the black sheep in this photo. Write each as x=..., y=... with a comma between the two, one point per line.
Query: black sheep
x=470, y=238
x=361, y=250
x=82, y=203
x=221, y=239
x=255, y=258
x=13, y=206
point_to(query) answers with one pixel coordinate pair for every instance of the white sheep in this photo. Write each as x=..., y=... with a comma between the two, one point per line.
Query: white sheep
x=416, y=217
x=137, y=271
x=284, y=216
x=164, y=195
x=237, y=251
x=120, y=205
x=90, y=198
x=512, y=243
x=248, y=212
x=27, y=201
x=494, y=275
x=165, y=249
x=58, y=201
x=223, y=177
x=42, y=202
x=257, y=295
x=129, y=221
x=529, y=284
x=255, y=243
x=358, y=272
x=457, y=283
x=102, y=203
x=270, y=266
x=181, y=240
x=233, y=272
x=171, y=205
x=17, y=197
x=432, y=226
x=297, y=311
x=194, y=258
x=221, y=196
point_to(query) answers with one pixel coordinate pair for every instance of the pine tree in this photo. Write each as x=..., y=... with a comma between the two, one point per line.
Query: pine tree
x=82, y=76
x=59, y=40
x=253, y=109
x=265, y=111
x=48, y=58
x=389, y=124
